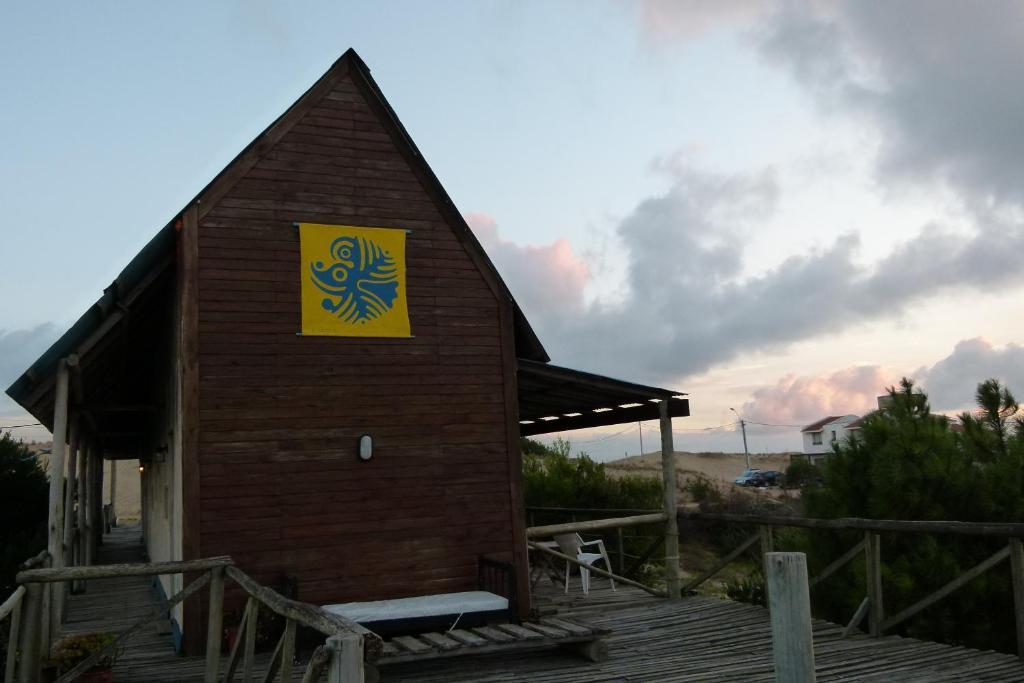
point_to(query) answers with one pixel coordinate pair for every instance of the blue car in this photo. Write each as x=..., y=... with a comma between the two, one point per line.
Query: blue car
x=748, y=478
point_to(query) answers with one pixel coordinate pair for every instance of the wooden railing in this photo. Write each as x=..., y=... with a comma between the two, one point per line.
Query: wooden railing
x=579, y=519
x=602, y=525
x=873, y=606
x=341, y=657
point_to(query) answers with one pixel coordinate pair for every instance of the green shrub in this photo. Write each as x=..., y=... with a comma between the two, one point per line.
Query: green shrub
x=554, y=479
x=908, y=464
x=702, y=490
x=801, y=473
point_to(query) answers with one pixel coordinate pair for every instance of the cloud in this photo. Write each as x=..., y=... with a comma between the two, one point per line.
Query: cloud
x=18, y=350
x=939, y=81
x=673, y=20
x=951, y=382
x=802, y=400
x=551, y=277
x=685, y=305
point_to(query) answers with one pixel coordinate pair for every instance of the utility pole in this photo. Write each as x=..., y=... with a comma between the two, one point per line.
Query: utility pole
x=743, y=427
x=641, y=428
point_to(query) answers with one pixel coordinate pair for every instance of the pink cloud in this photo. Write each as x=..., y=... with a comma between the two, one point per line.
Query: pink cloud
x=802, y=400
x=545, y=279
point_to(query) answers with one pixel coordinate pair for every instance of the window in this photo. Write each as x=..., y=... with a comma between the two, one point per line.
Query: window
x=816, y=438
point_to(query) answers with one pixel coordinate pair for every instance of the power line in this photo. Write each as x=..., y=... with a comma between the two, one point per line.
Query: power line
x=33, y=424
x=706, y=429
x=765, y=424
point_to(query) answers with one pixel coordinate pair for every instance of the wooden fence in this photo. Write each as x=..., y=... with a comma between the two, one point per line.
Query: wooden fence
x=872, y=607
x=341, y=656
x=873, y=604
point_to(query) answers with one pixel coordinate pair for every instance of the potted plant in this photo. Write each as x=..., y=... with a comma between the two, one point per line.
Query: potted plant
x=71, y=651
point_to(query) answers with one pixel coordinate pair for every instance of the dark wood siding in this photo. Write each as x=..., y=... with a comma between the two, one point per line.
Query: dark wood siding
x=279, y=415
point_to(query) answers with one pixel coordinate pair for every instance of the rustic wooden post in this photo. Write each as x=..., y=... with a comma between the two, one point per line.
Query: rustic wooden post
x=668, y=475
x=1017, y=569
x=31, y=634
x=55, y=541
x=789, y=602
x=69, y=490
x=12, y=636
x=288, y=650
x=252, y=615
x=113, y=492
x=83, y=493
x=69, y=501
x=214, y=624
x=873, y=557
x=346, y=664
x=98, y=528
x=89, y=488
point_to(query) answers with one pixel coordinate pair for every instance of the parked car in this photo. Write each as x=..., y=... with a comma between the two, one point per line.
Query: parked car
x=747, y=478
x=772, y=478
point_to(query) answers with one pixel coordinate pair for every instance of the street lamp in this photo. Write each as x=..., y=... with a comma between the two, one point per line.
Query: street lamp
x=743, y=426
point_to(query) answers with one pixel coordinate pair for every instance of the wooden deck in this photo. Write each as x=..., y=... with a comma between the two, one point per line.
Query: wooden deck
x=697, y=639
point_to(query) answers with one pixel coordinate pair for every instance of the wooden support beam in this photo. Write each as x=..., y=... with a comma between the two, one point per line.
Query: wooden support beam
x=55, y=540
x=12, y=606
x=318, y=661
x=89, y=488
x=29, y=668
x=252, y=622
x=843, y=559
x=594, y=525
x=789, y=605
x=858, y=616
x=113, y=492
x=723, y=563
x=214, y=624
x=70, y=489
x=998, y=529
x=873, y=559
x=953, y=585
x=237, y=647
x=81, y=555
x=110, y=571
x=1017, y=572
x=669, y=480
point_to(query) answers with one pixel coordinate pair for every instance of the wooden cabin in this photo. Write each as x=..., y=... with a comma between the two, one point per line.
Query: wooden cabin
x=249, y=430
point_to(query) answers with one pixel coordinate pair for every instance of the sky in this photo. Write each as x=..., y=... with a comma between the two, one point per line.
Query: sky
x=776, y=207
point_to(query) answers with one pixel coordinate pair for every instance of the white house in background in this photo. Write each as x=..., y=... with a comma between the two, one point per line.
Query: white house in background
x=821, y=435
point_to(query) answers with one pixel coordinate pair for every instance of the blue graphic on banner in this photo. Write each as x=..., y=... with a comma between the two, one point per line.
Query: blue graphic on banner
x=361, y=282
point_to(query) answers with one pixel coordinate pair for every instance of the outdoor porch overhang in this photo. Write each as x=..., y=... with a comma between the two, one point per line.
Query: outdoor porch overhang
x=557, y=399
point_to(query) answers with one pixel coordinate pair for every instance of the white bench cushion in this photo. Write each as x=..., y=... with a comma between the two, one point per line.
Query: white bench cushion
x=420, y=606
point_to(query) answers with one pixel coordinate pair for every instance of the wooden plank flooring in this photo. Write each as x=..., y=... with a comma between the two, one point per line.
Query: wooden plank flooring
x=707, y=639
x=697, y=639
x=115, y=604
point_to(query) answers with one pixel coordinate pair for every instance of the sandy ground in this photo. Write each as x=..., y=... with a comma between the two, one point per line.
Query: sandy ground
x=129, y=498
x=721, y=468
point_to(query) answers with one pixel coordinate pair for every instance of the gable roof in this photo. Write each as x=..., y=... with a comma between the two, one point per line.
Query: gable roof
x=820, y=424
x=158, y=253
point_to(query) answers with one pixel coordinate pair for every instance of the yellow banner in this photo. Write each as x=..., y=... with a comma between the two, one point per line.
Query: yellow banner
x=353, y=281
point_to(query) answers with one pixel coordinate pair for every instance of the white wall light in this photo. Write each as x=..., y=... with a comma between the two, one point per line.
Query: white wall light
x=365, y=447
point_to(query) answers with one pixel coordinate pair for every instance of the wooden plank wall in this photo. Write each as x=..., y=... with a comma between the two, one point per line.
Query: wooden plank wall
x=280, y=486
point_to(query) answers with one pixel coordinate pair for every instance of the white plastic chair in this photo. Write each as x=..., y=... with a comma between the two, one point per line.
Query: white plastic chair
x=573, y=545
